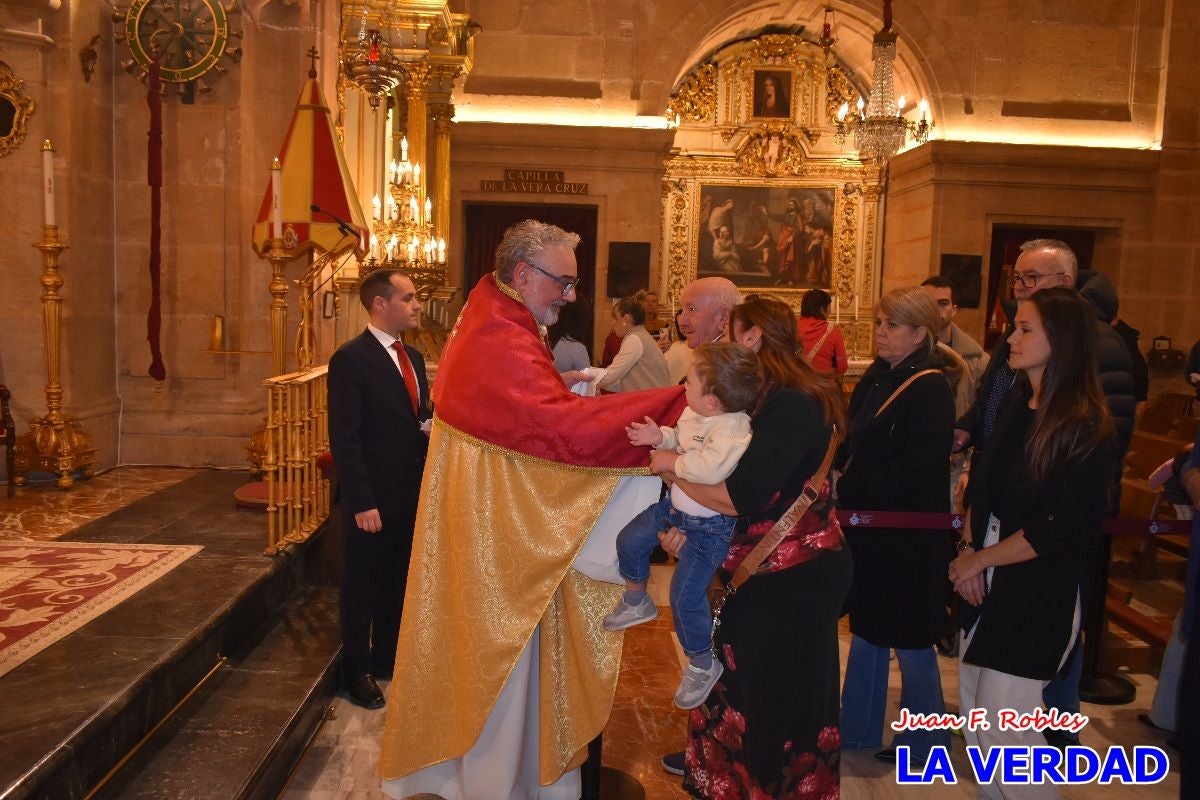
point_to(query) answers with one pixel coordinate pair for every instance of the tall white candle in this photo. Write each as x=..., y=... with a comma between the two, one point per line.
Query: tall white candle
x=416, y=174
x=276, y=204
x=837, y=317
x=428, y=209
x=856, y=306
x=48, y=180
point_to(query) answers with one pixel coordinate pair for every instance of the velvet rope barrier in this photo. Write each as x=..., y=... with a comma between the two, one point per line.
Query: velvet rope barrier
x=921, y=520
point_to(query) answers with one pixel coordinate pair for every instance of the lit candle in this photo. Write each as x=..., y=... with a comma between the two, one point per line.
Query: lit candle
x=378, y=206
x=412, y=208
x=48, y=180
x=428, y=209
x=900, y=104
x=441, y=251
x=276, y=204
x=416, y=174
x=403, y=148
x=856, y=306
x=842, y=111
x=374, y=246
x=861, y=103
x=837, y=316
x=924, y=106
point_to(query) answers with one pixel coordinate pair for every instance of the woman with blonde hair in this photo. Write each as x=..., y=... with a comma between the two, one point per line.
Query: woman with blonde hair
x=897, y=458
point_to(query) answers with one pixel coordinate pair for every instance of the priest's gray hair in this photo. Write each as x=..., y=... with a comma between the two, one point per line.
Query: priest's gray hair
x=1061, y=251
x=525, y=240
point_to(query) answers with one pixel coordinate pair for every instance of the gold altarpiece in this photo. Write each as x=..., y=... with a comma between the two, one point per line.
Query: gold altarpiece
x=755, y=153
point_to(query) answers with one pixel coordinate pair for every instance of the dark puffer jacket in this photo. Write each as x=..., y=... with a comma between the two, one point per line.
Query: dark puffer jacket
x=1112, y=354
x=1112, y=358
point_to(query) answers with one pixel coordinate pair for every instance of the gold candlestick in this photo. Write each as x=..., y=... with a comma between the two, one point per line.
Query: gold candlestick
x=55, y=443
x=279, y=258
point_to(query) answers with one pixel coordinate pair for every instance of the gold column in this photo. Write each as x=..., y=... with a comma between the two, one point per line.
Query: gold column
x=55, y=443
x=443, y=118
x=417, y=89
x=279, y=289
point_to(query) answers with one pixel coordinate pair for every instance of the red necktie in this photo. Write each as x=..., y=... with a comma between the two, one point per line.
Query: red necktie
x=410, y=375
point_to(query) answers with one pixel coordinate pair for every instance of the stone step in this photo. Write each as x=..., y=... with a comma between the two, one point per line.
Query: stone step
x=73, y=711
x=240, y=735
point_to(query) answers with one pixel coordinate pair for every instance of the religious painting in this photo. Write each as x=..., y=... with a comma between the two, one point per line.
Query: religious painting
x=766, y=236
x=772, y=93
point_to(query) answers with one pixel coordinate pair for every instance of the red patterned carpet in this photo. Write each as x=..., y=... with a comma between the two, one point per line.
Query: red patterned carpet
x=49, y=589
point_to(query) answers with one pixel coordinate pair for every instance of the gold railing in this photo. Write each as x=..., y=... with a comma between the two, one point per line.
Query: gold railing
x=297, y=434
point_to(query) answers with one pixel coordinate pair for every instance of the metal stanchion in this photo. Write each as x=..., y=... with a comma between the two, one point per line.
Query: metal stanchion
x=1095, y=687
x=606, y=783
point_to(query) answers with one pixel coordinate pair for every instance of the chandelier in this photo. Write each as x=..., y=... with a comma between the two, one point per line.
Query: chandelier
x=370, y=64
x=402, y=231
x=878, y=125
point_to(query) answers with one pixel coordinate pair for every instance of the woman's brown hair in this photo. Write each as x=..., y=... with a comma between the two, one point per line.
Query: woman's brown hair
x=1072, y=415
x=779, y=354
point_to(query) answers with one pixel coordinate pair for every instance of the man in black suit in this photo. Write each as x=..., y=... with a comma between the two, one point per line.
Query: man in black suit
x=378, y=398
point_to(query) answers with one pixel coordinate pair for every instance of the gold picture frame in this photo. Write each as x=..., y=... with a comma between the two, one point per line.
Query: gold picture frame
x=15, y=110
x=772, y=93
x=763, y=235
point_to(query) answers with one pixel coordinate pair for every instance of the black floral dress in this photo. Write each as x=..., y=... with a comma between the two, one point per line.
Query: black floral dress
x=769, y=729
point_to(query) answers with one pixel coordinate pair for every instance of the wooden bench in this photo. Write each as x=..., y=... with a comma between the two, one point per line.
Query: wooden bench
x=1151, y=630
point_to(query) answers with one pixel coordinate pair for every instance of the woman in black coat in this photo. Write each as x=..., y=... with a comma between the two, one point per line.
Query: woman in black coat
x=897, y=458
x=1036, y=502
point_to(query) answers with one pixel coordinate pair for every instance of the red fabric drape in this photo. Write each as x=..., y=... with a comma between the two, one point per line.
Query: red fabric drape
x=158, y=370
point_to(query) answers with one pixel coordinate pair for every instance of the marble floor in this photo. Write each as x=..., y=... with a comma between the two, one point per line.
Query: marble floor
x=42, y=511
x=340, y=764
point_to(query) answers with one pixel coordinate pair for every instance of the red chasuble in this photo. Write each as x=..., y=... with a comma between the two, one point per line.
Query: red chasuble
x=496, y=381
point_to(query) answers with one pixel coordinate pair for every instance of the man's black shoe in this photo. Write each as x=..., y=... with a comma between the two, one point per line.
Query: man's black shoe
x=364, y=691
x=1060, y=739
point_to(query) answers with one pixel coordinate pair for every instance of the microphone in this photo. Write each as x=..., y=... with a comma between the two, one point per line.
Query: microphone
x=343, y=226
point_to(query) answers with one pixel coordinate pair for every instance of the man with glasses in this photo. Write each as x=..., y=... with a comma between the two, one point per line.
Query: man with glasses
x=504, y=674
x=1044, y=263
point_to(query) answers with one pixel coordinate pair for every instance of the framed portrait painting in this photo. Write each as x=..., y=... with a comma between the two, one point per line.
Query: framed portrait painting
x=766, y=236
x=772, y=94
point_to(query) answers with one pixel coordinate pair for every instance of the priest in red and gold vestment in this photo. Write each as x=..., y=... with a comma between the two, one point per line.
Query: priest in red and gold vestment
x=503, y=672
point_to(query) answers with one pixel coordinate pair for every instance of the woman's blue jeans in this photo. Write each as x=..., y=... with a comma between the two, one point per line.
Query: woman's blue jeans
x=864, y=697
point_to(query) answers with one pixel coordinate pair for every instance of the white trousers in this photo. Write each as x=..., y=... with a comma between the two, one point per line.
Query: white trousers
x=979, y=687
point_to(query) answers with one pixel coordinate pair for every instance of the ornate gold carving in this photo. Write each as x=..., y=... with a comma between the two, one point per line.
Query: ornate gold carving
x=838, y=90
x=15, y=110
x=416, y=78
x=845, y=237
x=696, y=98
x=772, y=149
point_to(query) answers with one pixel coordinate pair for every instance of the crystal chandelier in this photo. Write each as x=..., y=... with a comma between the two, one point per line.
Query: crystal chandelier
x=879, y=126
x=403, y=226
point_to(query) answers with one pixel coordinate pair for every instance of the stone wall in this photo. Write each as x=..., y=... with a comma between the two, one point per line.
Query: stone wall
x=623, y=169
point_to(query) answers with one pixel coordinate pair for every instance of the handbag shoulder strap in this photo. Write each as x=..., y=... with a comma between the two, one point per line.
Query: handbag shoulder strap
x=811, y=354
x=900, y=389
x=768, y=543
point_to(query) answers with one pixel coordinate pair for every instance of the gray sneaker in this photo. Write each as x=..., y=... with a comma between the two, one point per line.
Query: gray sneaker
x=696, y=684
x=626, y=616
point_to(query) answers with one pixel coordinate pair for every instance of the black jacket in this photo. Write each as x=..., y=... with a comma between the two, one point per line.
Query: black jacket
x=898, y=461
x=1024, y=623
x=378, y=448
